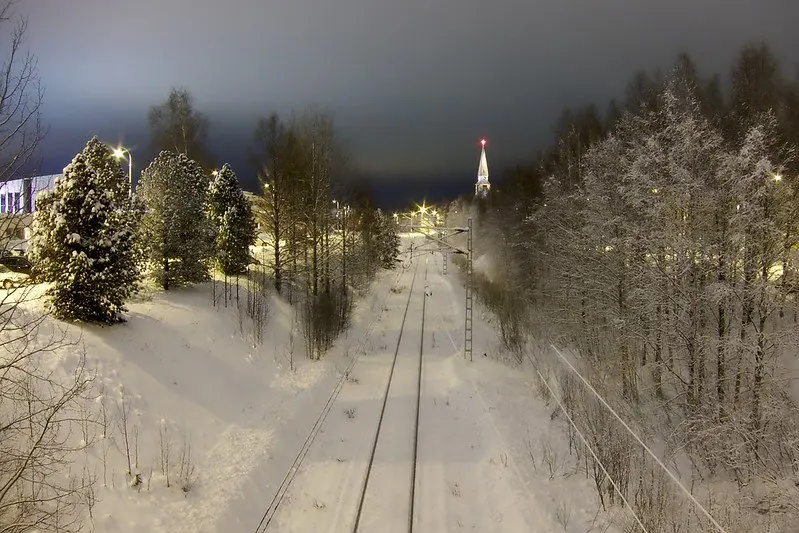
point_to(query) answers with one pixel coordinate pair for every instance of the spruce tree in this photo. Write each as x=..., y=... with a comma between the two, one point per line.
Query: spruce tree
x=231, y=213
x=84, y=239
x=175, y=227
x=388, y=241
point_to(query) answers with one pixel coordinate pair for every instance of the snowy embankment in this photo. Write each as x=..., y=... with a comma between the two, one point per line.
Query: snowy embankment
x=527, y=438
x=186, y=384
x=199, y=400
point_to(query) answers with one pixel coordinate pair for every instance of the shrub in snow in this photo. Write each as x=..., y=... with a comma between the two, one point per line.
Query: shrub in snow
x=84, y=239
x=231, y=213
x=178, y=236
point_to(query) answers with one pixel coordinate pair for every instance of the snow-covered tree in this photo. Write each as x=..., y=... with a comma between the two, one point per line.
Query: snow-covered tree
x=761, y=229
x=85, y=238
x=231, y=213
x=178, y=235
x=388, y=241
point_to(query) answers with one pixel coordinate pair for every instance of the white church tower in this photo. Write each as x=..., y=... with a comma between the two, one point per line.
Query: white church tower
x=482, y=186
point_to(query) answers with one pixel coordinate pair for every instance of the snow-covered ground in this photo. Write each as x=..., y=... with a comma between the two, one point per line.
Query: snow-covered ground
x=189, y=371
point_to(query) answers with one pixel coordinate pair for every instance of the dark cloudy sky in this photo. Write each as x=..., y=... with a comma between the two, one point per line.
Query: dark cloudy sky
x=412, y=84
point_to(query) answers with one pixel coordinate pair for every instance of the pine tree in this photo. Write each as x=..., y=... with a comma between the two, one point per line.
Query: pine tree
x=84, y=239
x=231, y=213
x=179, y=235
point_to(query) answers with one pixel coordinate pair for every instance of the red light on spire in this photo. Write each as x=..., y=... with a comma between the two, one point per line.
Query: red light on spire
x=483, y=142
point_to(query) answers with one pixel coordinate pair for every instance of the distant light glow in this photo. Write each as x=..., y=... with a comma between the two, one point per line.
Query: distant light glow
x=777, y=177
x=483, y=142
x=119, y=153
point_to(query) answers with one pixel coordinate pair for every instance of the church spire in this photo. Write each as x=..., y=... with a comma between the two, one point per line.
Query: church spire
x=482, y=186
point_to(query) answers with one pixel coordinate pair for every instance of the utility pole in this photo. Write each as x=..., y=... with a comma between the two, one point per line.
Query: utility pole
x=467, y=328
x=438, y=241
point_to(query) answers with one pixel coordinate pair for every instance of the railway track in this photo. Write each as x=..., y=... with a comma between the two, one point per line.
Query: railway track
x=383, y=486
x=398, y=419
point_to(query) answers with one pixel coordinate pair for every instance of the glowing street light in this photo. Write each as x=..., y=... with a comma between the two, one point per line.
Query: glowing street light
x=777, y=177
x=119, y=153
x=214, y=173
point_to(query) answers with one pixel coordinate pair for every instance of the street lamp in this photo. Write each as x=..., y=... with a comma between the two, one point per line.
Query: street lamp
x=777, y=177
x=119, y=153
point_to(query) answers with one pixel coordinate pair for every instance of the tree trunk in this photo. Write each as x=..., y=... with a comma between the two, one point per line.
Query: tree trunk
x=786, y=251
x=746, y=317
x=721, y=337
x=326, y=254
x=315, y=259
x=701, y=355
x=691, y=341
x=344, y=253
x=760, y=351
x=760, y=356
x=658, y=371
x=277, y=227
x=720, y=362
x=166, y=273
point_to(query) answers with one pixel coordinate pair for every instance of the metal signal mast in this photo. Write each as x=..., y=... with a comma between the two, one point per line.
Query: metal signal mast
x=439, y=239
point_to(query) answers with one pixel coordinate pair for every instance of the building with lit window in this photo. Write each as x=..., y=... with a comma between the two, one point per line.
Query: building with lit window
x=17, y=205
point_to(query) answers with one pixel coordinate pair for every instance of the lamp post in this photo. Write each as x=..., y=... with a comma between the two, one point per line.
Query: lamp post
x=119, y=153
x=422, y=213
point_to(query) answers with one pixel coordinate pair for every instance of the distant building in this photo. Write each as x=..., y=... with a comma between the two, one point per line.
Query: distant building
x=17, y=205
x=482, y=186
x=19, y=196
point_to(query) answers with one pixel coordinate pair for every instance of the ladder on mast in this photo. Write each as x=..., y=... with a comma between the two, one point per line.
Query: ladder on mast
x=467, y=329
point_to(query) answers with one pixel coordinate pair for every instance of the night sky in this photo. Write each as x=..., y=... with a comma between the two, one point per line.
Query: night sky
x=412, y=84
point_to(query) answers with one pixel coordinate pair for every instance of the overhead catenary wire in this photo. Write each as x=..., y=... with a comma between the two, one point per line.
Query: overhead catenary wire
x=588, y=446
x=639, y=440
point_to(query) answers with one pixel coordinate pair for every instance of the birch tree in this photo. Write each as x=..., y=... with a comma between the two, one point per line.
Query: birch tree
x=40, y=485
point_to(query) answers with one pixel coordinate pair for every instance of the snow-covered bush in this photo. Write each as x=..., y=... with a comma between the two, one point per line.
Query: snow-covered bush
x=84, y=239
x=324, y=317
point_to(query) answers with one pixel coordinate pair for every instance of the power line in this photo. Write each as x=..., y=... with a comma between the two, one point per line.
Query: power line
x=641, y=442
x=588, y=446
